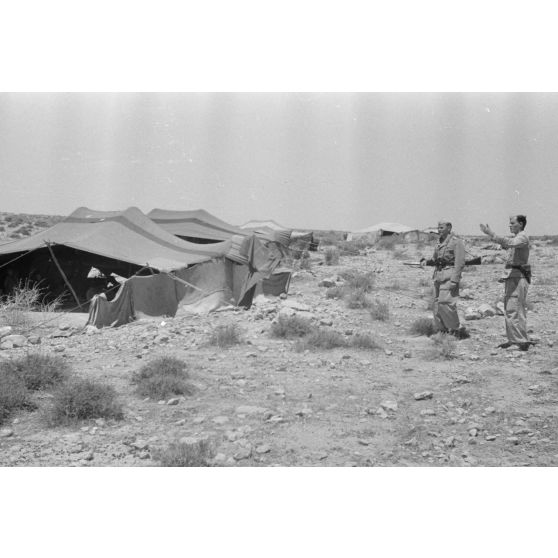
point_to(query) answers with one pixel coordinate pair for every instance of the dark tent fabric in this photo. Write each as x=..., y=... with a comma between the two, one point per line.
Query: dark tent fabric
x=276, y=284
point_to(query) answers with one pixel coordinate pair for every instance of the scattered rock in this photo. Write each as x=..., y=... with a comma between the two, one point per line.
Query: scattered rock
x=486, y=311
x=5, y=330
x=15, y=340
x=389, y=405
x=472, y=314
x=220, y=420
x=173, y=401
x=264, y=448
x=423, y=395
x=6, y=432
x=250, y=410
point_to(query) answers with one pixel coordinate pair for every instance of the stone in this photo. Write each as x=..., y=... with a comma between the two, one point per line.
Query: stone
x=428, y=412
x=34, y=340
x=220, y=420
x=5, y=345
x=173, y=401
x=6, y=432
x=250, y=410
x=472, y=314
x=243, y=453
x=15, y=340
x=328, y=282
x=490, y=437
x=140, y=444
x=264, y=448
x=59, y=349
x=423, y=395
x=297, y=306
x=389, y=405
x=5, y=330
x=486, y=311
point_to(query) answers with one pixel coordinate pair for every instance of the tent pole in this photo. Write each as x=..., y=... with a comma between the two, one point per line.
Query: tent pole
x=63, y=274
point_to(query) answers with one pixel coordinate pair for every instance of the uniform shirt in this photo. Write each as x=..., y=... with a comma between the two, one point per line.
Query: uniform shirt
x=519, y=250
x=451, y=250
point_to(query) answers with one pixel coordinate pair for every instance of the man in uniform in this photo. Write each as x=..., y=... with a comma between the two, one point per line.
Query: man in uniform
x=516, y=280
x=449, y=260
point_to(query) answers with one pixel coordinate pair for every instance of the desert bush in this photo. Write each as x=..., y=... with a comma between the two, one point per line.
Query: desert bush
x=180, y=454
x=290, y=326
x=304, y=261
x=358, y=280
x=379, y=310
x=40, y=371
x=443, y=347
x=226, y=335
x=163, y=377
x=423, y=326
x=356, y=298
x=80, y=399
x=321, y=339
x=13, y=393
x=26, y=297
x=335, y=292
x=364, y=341
x=388, y=242
x=331, y=255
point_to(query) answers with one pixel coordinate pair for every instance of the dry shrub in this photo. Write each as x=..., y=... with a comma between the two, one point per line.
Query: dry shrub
x=226, y=335
x=290, y=326
x=358, y=280
x=331, y=255
x=26, y=297
x=321, y=339
x=81, y=399
x=180, y=454
x=163, y=377
x=388, y=242
x=365, y=341
x=40, y=371
x=423, y=326
x=356, y=298
x=335, y=292
x=379, y=310
x=443, y=347
x=13, y=393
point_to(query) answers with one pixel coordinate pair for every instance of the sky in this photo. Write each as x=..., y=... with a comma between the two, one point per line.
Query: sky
x=340, y=161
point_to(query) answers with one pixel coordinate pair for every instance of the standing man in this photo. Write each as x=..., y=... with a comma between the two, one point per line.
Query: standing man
x=516, y=280
x=449, y=260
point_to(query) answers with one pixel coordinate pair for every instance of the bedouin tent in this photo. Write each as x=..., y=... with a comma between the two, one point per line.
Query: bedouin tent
x=379, y=230
x=125, y=243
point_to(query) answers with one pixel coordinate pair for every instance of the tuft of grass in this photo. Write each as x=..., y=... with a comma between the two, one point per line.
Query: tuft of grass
x=180, y=454
x=356, y=298
x=226, y=335
x=321, y=339
x=365, y=341
x=40, y=371
x=443, y=347
x=357, y=280
x=13, y=393
x=335, y=292
x=379, y=310
x=290, y=326
x=81, y=399
x=331, y=255
x=423, y=326
x=163, y=377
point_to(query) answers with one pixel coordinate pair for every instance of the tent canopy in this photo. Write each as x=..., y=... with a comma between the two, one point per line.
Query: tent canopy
x=128, y=236
x=195, y=224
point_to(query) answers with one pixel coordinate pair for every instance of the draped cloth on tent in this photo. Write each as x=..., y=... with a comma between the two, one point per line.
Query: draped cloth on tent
x=200, y=288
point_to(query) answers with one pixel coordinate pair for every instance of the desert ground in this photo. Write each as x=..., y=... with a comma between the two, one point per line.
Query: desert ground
x=407, y=401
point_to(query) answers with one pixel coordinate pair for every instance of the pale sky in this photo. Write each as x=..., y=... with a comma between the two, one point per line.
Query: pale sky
x=307, y=160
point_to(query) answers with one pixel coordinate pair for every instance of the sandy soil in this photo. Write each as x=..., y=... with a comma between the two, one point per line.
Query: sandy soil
x=262, y=404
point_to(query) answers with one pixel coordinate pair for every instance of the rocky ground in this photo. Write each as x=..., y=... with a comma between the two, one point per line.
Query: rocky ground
x=261, y=403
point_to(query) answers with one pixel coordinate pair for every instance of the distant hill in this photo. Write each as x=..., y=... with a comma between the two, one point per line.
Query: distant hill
x=19, y=225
